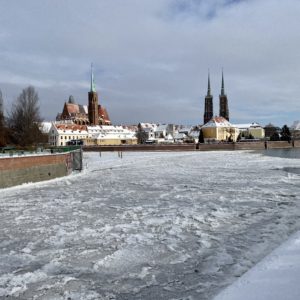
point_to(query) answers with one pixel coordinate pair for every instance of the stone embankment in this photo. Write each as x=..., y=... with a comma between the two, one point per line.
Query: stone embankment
x=24, y=169
x=202, y=147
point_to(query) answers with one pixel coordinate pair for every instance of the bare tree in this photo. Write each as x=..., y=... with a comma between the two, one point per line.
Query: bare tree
x=1, y=103
x=24, y=118
x=2, y=123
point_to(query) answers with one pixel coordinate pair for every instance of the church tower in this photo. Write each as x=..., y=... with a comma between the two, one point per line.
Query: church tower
x=93, y=102
x=208, y=108
x=224, y=111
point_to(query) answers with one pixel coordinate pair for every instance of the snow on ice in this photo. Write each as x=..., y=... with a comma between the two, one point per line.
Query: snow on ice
x=150, y=225
x=276, y=277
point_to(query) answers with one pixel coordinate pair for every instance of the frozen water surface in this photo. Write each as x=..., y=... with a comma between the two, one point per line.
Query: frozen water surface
x=148, y=226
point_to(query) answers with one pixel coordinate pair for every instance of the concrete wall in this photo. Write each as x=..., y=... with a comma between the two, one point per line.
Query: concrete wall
x=19, y=170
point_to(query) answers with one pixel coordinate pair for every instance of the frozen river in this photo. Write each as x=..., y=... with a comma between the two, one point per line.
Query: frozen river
x=148, y=226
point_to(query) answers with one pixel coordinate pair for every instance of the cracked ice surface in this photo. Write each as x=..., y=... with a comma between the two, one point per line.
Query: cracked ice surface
x=148, y=226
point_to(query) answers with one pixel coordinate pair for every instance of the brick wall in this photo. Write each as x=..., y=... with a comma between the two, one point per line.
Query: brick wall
x=24, y=169
x=260, y=145
x=279, y=145
x=153, y=147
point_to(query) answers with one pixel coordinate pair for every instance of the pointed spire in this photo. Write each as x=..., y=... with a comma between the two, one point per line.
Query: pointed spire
x=222, y=88
x=93, y=87
x=208, y=85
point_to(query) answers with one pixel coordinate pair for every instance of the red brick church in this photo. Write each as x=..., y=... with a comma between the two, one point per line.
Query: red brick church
x=91, y=114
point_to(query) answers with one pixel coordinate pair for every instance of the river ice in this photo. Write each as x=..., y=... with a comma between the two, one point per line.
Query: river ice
x=147, y=226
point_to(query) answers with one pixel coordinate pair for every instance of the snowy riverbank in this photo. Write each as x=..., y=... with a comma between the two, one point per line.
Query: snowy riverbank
x=276, y=277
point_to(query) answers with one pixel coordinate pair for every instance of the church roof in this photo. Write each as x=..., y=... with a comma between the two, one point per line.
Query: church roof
x=103, y=114
x=72, y=108
x=83, y=109
x=217, y=122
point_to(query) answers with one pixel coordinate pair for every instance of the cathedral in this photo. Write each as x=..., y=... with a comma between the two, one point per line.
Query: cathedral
x=91, y=114
x=218, y=128
x=208, y=106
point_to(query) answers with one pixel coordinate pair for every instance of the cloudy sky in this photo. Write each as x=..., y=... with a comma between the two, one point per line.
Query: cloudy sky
x=151, y=57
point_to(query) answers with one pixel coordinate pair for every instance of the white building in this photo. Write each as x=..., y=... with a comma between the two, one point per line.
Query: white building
x=164, y=133
x=254, y=129
x=180, y=137
x=62, y=132
x=110, y=135
x=149, y=130
x=168, y=133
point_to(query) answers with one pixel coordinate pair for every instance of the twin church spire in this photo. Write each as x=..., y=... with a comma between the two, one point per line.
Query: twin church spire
x=208, y=108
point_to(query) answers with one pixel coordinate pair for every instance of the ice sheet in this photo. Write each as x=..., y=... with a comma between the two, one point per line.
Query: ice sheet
x=147, y=226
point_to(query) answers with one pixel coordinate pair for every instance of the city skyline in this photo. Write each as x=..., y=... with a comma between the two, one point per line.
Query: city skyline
x=151, y=57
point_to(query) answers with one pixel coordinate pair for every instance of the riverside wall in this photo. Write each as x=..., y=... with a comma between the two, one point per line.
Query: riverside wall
x=139, y=147
x=25, y=169
x=261, y=145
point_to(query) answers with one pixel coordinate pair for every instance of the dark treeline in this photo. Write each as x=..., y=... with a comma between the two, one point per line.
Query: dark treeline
x=20, y=127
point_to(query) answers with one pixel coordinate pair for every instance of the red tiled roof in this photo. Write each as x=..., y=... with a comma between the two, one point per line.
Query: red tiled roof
x=103, y=113
x=71, y=127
